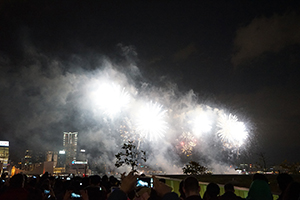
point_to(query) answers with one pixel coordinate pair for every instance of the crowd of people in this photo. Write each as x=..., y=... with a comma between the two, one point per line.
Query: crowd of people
x=22, y=187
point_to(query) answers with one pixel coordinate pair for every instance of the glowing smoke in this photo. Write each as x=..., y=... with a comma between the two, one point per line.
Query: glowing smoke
x=110, y=98
x=232, y=132
x=107, y=107
x=151, y=122
x=202, y=123
x=146, y=122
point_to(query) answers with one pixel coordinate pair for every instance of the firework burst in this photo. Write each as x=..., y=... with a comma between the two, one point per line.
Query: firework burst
x=202, y=124
x=151, y=122
x=186, y=143
x=127, y=131
x=112, y=99
x=231, y=131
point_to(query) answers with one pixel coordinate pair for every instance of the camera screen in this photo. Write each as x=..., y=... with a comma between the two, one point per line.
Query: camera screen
x=74, y=195
x=46, y=191
x=144, y=182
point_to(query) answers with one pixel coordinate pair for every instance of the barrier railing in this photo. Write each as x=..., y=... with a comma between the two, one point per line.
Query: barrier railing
x=239, y=191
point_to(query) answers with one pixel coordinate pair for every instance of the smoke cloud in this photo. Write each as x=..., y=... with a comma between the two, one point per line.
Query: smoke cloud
x=45, y=95
x=266, y=34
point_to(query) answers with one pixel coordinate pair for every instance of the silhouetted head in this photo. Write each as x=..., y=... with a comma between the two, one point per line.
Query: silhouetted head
x=3, y=176
x=181, y=189
x=229, y=187
x=45, y=175
x=95, y=179
x=258, y=176
x=105, y=178
x=191, y=186
x=213, y=189
x=292, y=191
x=283, y=181
x=17, y=181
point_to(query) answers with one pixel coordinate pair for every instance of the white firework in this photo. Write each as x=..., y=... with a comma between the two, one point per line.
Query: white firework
x=112, y=99
x=231, y=131
x=151, y=122
x=202, y=124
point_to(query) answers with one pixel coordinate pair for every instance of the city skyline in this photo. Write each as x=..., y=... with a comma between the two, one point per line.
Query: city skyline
x=96, y=67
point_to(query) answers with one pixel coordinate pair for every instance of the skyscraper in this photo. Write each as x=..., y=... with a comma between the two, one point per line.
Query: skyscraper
x=4, y=154
x=28, y=156
x=27, y=162
x=70, y=146
x=49, y=156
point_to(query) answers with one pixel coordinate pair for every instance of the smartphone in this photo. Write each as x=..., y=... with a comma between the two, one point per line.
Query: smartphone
x=144, y=182
x=46, y=191
x=75, y=195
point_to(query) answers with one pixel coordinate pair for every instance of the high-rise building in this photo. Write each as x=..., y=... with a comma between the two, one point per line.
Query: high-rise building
x=70, y=146
x=61, y=159
x=4, y=154
x=55, y=158
x=81, y=155
x=49, y=156
x=39, y=157
x=28, y=156
x=27, y=161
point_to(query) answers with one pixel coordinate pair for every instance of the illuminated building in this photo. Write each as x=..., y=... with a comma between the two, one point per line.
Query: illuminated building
x=70, y=146
x=61, y=159
x=55, y=158
x=49, y=156
x=27, y=164
x=4, y=154
x=81, y=155
x=28, y=156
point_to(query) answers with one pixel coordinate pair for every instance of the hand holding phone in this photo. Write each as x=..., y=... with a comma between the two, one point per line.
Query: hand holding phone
x=160, y=187
x=144, y=182
x=128, y=182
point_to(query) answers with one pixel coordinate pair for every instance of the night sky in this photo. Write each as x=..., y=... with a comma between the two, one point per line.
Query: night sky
x=238, y=56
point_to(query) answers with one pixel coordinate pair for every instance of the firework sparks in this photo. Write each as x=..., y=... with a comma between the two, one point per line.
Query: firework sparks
x=231, y=131
x=151, y=122
x=127, y=131
x=111, y=98
x=187, y=143
x=126, y=115
x=202, y=124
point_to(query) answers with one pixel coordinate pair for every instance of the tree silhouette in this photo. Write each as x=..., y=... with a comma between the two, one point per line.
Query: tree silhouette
x=263, y=161
x=194, y=168
x=130, y=155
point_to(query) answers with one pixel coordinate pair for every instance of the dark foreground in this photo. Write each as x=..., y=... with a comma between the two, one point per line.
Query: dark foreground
x=237, y=180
